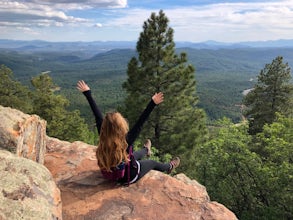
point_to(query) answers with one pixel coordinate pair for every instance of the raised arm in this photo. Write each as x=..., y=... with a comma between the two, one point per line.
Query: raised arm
x=85, y=89
x=135, y=130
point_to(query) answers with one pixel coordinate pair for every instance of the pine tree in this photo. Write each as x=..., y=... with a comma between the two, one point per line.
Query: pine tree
x=177, y=126
x=61, y=123
x=12, y=93
x=272, y=93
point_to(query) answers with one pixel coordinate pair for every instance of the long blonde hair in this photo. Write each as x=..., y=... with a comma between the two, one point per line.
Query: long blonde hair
x=112, y=146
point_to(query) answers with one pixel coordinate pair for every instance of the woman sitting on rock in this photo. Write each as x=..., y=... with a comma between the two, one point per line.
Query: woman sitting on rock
x=114, y=150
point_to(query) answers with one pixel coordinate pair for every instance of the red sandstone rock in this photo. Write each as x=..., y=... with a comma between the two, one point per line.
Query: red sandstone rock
x=86, y=195
x=67, y=160
x=22, y=134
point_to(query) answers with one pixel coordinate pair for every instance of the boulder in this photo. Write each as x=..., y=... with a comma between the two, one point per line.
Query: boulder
x=28, y=190
x=86, y=195
x=22, y=134
x=67, y=160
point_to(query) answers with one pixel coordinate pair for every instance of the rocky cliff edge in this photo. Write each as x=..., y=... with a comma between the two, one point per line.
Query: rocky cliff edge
x=72, y=173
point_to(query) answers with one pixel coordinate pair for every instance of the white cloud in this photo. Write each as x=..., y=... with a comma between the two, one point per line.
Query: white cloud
x=51, y=12
x=28, y=14
x=132, y=18
x=72, y=4
x=251, y=20
x=218, y=21
x=98, y=25
x=27, y=30
x=223, y=21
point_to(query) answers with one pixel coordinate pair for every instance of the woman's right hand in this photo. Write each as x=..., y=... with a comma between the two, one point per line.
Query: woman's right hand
x=82, y=86
x=158, y=98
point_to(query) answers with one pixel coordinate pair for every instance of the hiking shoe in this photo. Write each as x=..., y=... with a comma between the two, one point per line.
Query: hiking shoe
x=174, y=163
x=148, y=145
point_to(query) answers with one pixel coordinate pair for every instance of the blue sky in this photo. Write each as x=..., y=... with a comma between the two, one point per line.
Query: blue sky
x=122, y=20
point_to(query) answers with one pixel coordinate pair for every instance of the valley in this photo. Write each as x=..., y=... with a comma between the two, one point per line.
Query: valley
x=221, y=74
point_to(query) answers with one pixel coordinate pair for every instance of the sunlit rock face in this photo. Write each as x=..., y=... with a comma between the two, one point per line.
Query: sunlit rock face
x=86, y=195
x=22, y=134
x=46, y=178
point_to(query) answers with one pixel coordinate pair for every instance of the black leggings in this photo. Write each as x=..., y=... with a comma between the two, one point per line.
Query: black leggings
x=147, y=165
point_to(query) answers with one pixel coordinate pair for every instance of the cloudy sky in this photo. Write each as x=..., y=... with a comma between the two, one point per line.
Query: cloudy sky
x=122, y=20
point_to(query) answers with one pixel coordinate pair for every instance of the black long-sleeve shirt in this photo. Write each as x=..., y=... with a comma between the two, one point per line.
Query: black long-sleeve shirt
x=134, y=131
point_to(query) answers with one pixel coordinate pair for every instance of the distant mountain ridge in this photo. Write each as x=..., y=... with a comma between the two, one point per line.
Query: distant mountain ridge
x=102, y=46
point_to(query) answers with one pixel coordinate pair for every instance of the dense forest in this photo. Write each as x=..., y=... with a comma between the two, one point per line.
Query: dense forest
x=222, y=75
x=239, y=146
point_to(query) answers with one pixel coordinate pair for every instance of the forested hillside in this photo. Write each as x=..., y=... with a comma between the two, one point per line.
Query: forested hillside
x=221, y=74
x=250, y=173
